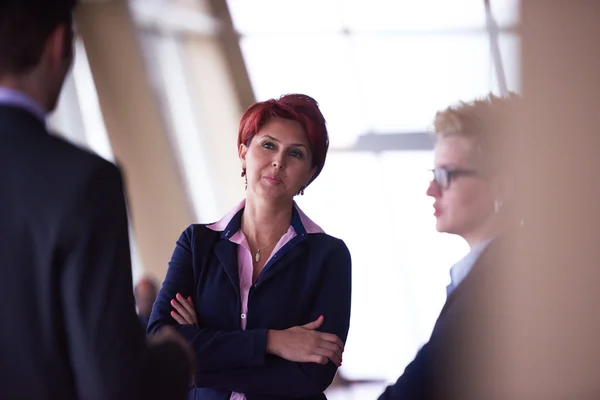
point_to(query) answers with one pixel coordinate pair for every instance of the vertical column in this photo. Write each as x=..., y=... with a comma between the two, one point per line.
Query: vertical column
x=558, y=274
x=220, y=85
x=543, y=315
x=159, y=207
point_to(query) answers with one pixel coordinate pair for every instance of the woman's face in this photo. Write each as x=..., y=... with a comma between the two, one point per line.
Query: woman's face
x=464, y=199
x=278, y=161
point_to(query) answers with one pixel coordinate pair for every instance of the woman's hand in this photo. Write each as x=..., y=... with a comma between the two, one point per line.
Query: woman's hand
x=305, y=344
x=184, y=312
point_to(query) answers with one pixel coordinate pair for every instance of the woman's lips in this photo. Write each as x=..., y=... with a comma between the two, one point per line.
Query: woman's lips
x=272, y=179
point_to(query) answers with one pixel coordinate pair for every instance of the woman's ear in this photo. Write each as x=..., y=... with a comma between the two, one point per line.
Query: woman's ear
x=242, y=151
x=311, y=175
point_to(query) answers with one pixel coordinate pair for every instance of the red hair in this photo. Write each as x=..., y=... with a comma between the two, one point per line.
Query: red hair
x=295, y=107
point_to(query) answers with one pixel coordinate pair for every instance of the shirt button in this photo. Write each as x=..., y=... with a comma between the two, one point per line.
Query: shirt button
x=243, y=316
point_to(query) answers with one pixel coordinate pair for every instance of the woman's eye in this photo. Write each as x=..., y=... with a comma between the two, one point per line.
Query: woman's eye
x=296, y=153
x=268, y=145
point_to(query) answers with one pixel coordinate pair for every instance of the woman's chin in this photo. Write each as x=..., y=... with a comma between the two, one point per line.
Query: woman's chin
x=274, y=194
x=441, y=226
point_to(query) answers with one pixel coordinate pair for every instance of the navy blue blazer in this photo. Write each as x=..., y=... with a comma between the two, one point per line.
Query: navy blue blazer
x=69, y=327
x=445, y=368
x=310, y=276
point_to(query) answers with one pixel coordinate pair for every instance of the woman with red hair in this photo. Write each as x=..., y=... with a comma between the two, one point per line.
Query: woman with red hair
x=263, y=295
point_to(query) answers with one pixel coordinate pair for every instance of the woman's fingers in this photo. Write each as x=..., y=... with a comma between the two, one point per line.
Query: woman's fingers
x=329, y=355
x=330, y=337
x=333, y=348
x=314, y=324
x=188, y=306
x=182, y=312
x=315, y=358
x=180, y=320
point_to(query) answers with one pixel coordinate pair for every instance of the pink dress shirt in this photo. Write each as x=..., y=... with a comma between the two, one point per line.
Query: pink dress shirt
x=245, y=267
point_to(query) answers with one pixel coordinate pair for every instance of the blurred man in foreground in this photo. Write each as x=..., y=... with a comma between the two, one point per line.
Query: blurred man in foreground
x=69, y=326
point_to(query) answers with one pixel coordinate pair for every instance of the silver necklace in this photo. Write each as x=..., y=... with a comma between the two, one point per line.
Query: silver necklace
x=258, y=250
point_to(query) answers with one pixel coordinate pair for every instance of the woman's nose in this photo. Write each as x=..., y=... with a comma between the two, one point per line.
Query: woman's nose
x=433, y=189
x=278, y=162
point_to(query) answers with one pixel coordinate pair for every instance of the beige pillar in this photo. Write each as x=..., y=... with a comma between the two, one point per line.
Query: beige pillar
x=558, y=353
x=221, y=87
x=545, y=316
x=159, y=207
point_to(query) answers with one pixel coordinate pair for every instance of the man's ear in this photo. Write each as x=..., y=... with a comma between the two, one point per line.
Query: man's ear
x=59, y=44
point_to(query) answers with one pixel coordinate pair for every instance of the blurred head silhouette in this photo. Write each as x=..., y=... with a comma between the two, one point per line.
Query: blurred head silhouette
x=36, y=47
x=471, y=183
x=145, y=296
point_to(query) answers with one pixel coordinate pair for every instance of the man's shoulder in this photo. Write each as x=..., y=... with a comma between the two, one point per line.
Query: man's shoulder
x=75, y=168
x=73, y=156
x=41, y=162
x=28, y=146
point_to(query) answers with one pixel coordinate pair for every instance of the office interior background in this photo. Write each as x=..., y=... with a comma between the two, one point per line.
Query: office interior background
x=158, y=87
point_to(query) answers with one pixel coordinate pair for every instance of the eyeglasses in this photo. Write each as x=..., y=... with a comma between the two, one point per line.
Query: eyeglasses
x=443, y=177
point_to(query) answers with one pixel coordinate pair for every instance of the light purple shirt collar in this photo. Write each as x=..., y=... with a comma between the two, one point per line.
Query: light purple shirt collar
x=461, y=269
x=309, y=225
x=20, y=99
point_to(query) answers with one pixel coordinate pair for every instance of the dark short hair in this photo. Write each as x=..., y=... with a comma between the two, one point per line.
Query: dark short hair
x=25, y=26
x=296, y=107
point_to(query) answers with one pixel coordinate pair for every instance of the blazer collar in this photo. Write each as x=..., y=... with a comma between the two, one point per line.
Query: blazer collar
x=484, y=269
x=226, y=250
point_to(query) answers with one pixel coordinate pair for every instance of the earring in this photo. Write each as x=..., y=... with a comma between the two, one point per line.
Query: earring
x=302, y=192
x=497, y=206
x=243, y=175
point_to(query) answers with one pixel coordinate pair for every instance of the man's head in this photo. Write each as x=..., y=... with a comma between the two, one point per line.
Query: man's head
x=36, y=46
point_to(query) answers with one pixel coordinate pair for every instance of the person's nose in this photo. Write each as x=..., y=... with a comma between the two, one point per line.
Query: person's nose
x=433, y=189
x=279, y=161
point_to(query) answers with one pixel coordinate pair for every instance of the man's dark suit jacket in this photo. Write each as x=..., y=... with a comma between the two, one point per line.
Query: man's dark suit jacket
x=67, y=316
x=447, y=366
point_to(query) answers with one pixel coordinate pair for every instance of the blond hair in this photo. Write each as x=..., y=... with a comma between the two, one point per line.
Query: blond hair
x=485, y=121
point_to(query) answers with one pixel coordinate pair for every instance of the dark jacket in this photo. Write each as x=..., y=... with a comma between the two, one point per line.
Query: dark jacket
x=310, y=276
x=69, y=327
x=445, y=367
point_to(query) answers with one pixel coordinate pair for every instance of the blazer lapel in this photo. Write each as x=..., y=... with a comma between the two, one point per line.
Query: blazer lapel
x=482, y=270
x=457, y=292
x=226, y=252
x=287, y=253
x=293, y=249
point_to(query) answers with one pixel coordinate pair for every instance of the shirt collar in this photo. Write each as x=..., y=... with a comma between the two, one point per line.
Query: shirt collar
x=461, y=269
x=232, y=222
x=20, y=99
